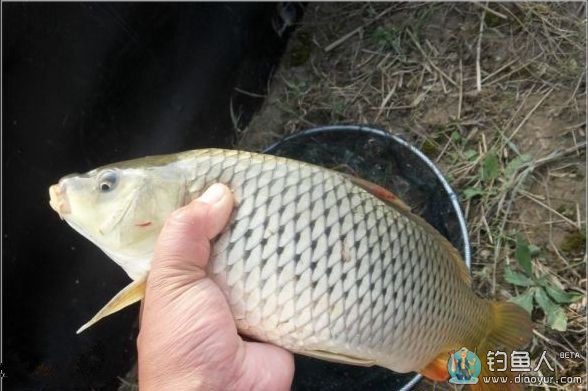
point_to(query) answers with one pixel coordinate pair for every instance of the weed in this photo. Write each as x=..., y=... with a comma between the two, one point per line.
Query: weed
x=539, y=291
x=388, y=39
x=574, y=243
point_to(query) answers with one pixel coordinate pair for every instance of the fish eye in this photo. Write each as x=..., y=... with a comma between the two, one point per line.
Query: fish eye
x=107, y=181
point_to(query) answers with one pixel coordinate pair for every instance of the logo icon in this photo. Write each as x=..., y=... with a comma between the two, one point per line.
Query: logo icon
x=464, y=367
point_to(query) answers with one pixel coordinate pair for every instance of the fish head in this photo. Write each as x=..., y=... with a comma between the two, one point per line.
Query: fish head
x=121, y=210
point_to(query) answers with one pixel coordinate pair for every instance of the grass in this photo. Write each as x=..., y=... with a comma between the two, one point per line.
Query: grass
x=495, y=94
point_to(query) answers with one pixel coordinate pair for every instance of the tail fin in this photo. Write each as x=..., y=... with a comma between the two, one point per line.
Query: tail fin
x=511, y=328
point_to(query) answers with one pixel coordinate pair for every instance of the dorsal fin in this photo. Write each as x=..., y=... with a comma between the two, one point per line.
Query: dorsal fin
x=392, y=199
x=380, y=192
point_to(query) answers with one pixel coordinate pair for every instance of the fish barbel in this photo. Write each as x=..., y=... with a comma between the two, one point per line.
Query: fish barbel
x=315, y=261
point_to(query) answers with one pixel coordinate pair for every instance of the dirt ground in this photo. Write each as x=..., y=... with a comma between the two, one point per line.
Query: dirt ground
x=495, y=94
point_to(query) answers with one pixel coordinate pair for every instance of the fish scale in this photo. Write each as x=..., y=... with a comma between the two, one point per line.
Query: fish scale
x=312, y=260
x=365, y=226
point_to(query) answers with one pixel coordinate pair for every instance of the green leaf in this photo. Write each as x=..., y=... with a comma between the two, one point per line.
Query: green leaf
x=472, y=192
x=523, y=255
x=543, y=280
x=517, y=278
x=525, y=300
x=470, y=154
x=556, y=316
x=387, y=38
x=455, y=137
x=544, y=301
x=535, y=250
x=559, y=320
x=561, y=296
x=490, y=167
x=513, y=166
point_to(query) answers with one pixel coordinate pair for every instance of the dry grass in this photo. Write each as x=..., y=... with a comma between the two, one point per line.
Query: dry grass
x=474, y=86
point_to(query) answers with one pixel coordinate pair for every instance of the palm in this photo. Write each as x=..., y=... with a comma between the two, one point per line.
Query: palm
x=211, y=345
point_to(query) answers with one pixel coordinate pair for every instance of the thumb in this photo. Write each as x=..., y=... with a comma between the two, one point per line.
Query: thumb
x=184, y=242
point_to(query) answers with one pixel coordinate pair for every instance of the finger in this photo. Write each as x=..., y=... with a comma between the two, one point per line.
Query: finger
x=184, y=241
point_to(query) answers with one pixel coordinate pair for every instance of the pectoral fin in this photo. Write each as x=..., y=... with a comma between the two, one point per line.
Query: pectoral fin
x=437, y=370
x=130, y=294
x=338, y=358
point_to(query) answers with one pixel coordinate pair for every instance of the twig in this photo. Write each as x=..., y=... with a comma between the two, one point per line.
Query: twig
x=251, y=94
x=533, y=198
x=235, y=119
x=531, y=61
x=563, y=259
x=445, y=147
x=519, y=108
x=386, y=99
x=555, y=155
x=529, y=114
x=355, y=31
x=575, y=141
x=404, y=107
x=460, y=98
x=502, y=68
x=486, y=8
x=442, y=84
x=521, y=24
x=552, y=342
x=573, y=95
x=431, y=63
x=488, y=230
x=479, y=51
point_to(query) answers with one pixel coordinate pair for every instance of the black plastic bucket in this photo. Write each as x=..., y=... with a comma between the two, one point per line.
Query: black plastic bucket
x=393, y=163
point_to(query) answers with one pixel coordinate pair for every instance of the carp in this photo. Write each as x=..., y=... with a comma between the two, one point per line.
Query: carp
x=315, y=261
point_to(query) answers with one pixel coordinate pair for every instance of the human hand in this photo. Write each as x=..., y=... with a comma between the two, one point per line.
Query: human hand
x=188, y=339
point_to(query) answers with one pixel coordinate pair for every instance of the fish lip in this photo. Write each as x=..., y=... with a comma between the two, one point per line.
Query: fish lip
x=58, y=200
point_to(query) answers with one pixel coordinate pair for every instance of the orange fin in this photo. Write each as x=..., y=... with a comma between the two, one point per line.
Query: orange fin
x=380, y=192
x=437, y=369
x=510, y=329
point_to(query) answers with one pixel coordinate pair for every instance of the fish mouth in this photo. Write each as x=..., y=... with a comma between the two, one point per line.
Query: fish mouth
x=58, y=200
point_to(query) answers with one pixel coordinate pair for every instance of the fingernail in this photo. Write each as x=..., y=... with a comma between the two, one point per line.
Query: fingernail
x=213, y=194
